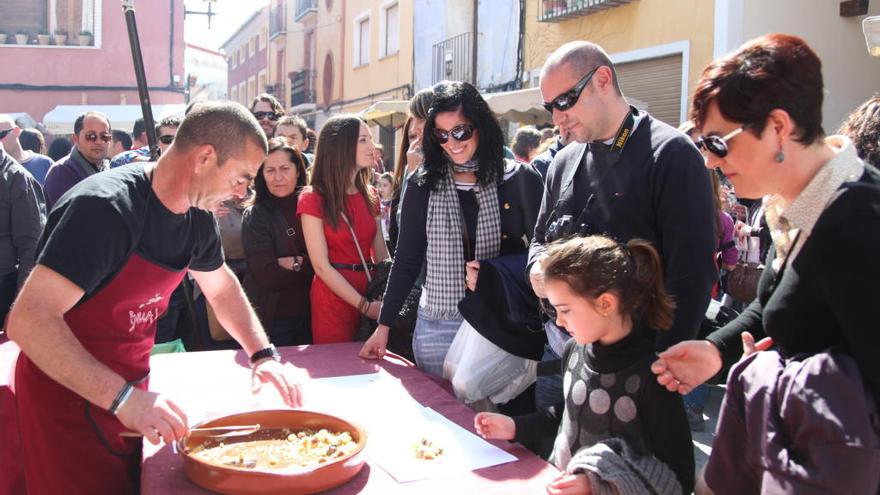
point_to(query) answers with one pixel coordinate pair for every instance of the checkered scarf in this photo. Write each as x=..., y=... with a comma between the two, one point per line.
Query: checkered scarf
x=444, y=283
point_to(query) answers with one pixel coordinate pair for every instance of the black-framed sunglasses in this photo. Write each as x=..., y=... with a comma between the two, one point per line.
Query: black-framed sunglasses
x=5, y=132
x=94, y=137
x=567, y=100
x=267, y=115
x=461, y=132
x=717, y=145
x=166, y=139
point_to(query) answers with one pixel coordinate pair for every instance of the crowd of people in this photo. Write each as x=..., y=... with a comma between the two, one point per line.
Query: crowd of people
x=591, y=249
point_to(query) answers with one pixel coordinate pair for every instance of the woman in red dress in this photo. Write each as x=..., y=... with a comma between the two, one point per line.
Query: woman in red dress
x=340, y=202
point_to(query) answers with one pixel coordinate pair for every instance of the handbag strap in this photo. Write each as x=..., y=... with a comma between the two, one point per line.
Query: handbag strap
x=358, y=247
x=289, y=232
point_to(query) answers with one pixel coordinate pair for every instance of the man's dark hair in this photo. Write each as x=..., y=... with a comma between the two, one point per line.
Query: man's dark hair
x=774, y=71
x=168, y=122
x=32, y=139
x=450, y=96
x=78, y=124
x=525, y=140
x=277, y=107
x=138, y=129
x=313, y=140
x=59, y=148
x=216, y=123
x=122, y=137
x=295, y=121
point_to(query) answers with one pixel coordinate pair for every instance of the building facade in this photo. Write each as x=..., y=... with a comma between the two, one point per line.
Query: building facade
x=660, y=47
x=77, y=52
x=206, y=73
x=247, y=58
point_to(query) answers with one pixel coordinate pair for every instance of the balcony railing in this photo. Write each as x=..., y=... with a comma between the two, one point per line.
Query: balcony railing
x=559, y=10
x=452, y=58
x=303, y=7
x=302, y=87
x=277, y=21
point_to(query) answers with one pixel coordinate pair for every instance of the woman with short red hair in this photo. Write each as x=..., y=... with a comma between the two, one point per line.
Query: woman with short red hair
x=796, y=419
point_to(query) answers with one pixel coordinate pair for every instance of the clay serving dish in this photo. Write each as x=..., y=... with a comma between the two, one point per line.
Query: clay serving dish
x=236, y=480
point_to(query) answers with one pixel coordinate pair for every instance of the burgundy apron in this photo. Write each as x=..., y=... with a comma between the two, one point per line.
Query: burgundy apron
x=70, y=445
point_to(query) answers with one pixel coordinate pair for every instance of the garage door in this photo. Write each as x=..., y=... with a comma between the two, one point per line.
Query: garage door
x=656, y=82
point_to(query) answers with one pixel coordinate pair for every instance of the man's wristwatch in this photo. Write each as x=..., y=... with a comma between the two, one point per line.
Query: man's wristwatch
x=268, y=352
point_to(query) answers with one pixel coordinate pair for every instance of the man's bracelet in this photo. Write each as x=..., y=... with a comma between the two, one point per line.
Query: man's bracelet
x=121, y=398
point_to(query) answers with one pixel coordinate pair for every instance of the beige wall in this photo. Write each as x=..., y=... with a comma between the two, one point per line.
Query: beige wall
x=628, y=29
x=851, y=76
x=381, y=74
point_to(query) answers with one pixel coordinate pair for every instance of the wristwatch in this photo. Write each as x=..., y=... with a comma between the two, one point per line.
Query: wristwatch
x=268, y=352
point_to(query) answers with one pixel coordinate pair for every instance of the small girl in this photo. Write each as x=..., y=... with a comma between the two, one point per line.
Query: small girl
x=386, y=191
x=618, y=429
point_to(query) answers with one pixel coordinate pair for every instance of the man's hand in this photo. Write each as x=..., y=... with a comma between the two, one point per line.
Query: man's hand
x=282, y=376
x=290, y=262
x=570, y=484
x=154, y=417
x=495, y=426
x=374, y=347
x=536, y=277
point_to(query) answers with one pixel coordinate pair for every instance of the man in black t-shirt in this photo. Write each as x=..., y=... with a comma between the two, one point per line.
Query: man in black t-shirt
x=113, y=250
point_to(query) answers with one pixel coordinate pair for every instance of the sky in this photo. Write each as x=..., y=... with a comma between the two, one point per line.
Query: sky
x=232, y=13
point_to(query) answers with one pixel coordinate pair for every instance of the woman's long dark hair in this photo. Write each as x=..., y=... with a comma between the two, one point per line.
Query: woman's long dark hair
x=261, y=190
x=449, y=96
x=335, y=161
x=400, y=168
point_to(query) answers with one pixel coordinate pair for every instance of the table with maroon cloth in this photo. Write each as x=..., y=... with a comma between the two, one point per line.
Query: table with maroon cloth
x=216, y=376
x=11, y=468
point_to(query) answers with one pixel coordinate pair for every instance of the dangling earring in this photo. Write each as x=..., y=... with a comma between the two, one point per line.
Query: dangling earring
x=780, y=157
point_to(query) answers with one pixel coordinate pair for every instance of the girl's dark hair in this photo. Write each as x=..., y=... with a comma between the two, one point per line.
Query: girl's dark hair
x=863, y=127
x=450, y=96
x=400, y=168
x=772, y=71
x=335, y=161
x=261, y=190
x=594, y=265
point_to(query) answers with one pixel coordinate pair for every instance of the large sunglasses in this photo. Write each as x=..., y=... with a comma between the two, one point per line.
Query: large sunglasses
x=93, y=137
x=166, y=139
x=567, y=100
x=717, y=145
x=5, y=132
x=461, y=132
x=267, y=115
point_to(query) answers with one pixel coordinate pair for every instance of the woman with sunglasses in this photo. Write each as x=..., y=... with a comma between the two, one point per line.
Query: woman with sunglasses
x=760, y=113
x=279, y=274
x=464, y=204
x=339, y=207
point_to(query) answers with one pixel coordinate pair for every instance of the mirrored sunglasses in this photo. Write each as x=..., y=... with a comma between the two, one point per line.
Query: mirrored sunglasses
x=461, y=132
x=567, y=100
x=166, y=139
x=5, y=132
x=93, y=137
x=267, y=115
x=717, y=145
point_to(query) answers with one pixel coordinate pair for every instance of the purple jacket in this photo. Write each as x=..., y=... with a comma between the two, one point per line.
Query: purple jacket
x=66, y=173
x=805, y=426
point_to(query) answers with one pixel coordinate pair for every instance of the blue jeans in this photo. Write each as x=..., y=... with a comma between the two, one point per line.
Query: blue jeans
x=431, y=341
x=548, y=388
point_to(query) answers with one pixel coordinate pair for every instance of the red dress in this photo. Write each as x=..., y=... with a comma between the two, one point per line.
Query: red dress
x=334, y=320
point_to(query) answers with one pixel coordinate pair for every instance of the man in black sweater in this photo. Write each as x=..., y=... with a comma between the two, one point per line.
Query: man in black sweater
x=625, y=175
